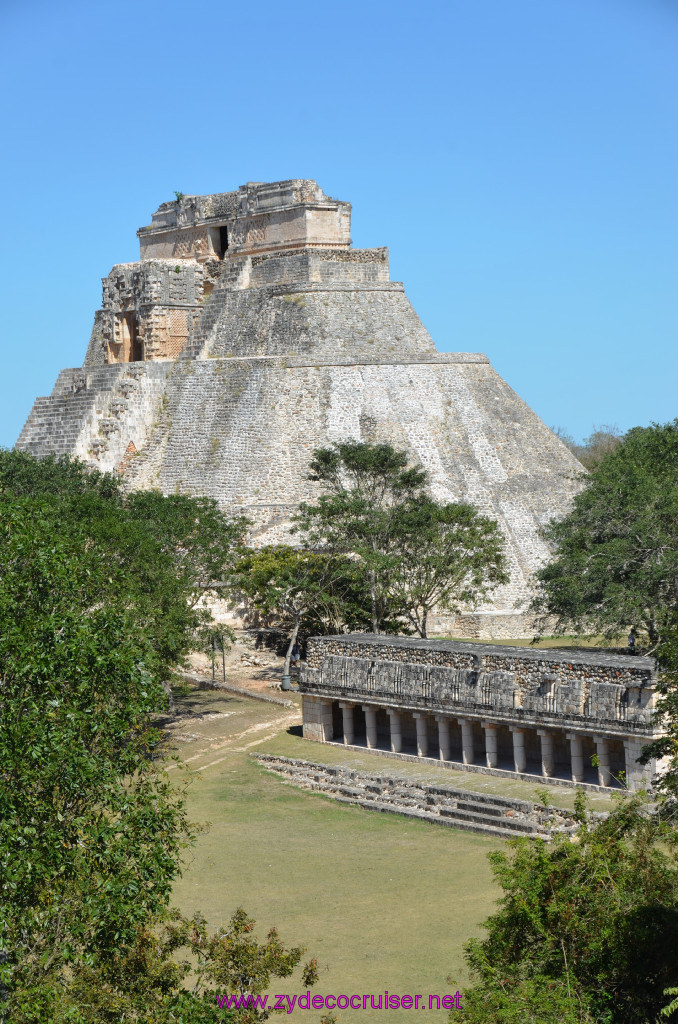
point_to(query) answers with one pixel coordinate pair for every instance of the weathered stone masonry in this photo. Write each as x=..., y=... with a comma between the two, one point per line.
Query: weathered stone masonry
x=537, y=713
x=487, y=813
x=249, y=333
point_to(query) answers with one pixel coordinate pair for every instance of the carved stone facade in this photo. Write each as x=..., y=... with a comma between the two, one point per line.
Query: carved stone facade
x=250, y=333
x=259, y=217
x=148, y=311
x=563, y=716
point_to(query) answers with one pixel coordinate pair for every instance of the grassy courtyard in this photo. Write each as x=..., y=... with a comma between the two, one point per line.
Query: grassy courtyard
x=384, y=902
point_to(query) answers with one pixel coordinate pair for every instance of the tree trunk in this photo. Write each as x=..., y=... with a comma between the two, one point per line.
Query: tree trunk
x=424, y=620
x=373, y=601
x=167, y=687
x=293, y=640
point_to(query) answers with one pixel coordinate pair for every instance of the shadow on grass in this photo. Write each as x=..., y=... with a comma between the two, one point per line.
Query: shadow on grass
x=192, y=704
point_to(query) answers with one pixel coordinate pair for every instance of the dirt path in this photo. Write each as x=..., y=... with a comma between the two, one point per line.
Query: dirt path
x=265, y=730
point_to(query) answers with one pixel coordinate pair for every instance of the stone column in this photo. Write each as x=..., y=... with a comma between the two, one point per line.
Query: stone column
x=490, y=743
x=421, y=719
x=443, y=737
x=466, y=740
x=370, y=725
x=519, y=759
x=325, y=719
x=576, y=756
x=309, y=718
x=316, y=718
x=396, y=731
x=347, y=713
x=603, y=752
x=637, y=775
x=547, y=758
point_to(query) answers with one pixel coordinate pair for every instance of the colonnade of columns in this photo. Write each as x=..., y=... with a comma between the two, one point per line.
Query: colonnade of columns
x=468, y=752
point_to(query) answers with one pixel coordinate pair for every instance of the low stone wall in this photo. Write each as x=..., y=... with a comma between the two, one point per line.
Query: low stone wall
x=486, y=813
x=241, y=691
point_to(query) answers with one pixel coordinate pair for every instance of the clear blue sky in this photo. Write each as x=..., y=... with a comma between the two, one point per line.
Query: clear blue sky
x=518, y=157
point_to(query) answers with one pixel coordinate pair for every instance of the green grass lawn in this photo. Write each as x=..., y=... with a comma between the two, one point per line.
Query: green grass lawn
x=384, y=902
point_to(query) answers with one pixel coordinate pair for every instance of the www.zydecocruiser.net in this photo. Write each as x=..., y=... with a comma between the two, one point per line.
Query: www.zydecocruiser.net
x=383, y=1001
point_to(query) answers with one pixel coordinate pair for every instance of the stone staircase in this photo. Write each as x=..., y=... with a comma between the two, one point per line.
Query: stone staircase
x=94, y=412
x=233, y=272
x=57, y=421
x=484, y=813
x=109, y=412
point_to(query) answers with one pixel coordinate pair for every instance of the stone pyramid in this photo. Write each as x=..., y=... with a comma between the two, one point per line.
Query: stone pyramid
x=250, y=333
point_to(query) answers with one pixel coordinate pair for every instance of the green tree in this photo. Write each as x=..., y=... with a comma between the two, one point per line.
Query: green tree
x=448, y=556
x=236, y=962
x=173, y=971
x=172, y=550
x=97, y=604
x=295, y=585
x=537, y=1000
x=366, y=485
x=586, y=931
x=666, y=745
x=410, y=552
x=91, y=832
x=24, y=476
x=616, y=554
x=203, y=541
x=593, y=449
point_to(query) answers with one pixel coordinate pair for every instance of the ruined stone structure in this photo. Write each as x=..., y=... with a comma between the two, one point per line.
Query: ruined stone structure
x=250, y=333
x=536, y=713
x=486, y=813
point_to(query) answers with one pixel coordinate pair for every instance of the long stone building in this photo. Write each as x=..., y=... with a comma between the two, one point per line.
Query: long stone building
x=249, y=333
x=569, y=716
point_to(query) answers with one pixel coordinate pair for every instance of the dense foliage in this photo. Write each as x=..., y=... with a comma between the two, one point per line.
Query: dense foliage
x=449, y=556
x=586, y=931
x=98, y=601
x=409, y=552
x=300, y=588
x=616, y=553
x=366, y=486
x=171, y=971
x=202, y=541
x=666, y=746
x=86, y=854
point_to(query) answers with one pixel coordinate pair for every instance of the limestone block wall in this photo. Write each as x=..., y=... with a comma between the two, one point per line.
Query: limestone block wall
x=282, y=228
x=317, y=720
x=163, y=282
x=95, y=413
x=332, y=266
x=376, y=322
x=167, y=330
x=259, y=217
x=243, y=429
x=181, y=230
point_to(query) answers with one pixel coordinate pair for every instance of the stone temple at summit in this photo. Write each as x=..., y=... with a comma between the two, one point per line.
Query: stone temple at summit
x=250, y=333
